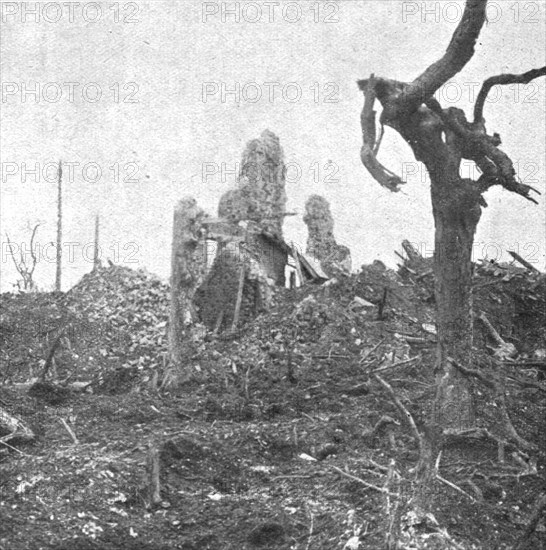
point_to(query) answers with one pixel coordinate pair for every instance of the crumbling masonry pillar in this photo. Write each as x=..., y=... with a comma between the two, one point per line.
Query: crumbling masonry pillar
x=321, y=243
x=188, y=266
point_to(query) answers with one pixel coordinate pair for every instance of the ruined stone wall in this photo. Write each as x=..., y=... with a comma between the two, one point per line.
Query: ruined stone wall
x=272, y=258
x=321, y=243
x=219, y=291
x=260, y=195
x=260, y=200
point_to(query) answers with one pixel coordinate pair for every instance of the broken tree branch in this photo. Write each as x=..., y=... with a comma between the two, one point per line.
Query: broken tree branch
x=523, y=78
x=526, y=383
x=483, y=149
x=70, y=431
x=382, y=175
x=361, y=481
x=523, y=262
x=406, y=415
x=504, y=350
x=459, y=52
x=453, y=486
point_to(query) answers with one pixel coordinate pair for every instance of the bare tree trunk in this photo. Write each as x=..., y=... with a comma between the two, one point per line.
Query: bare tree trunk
x=96, y=259
x=456, y=215
x=441, y=138
x=187, y=271
x=59, y=228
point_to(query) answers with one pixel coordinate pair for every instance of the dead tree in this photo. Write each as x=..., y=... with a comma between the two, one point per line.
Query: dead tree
x=441, y=138
x=187, y=271
x=96, y=246
x=58, y=270
x=25, y=271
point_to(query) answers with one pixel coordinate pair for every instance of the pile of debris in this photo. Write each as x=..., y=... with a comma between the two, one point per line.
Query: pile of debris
x=127, y=311
x=118, y=317
x=511, y=297
x=114, y=317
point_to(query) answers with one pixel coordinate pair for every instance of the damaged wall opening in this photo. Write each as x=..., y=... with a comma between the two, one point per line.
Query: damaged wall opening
x=227, y=269
x=246, y=255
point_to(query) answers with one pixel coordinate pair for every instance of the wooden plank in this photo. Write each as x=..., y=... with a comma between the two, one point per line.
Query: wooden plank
x=219, y=320
x=239, y=297
x=296, y=257
x=523, y=262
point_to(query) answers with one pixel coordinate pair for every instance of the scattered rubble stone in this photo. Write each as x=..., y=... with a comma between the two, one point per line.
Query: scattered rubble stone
x=118, y=324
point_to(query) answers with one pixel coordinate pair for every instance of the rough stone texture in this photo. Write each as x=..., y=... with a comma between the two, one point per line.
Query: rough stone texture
x=233, y=206
x=321, y=243
x=219, y=291
x=260, y=196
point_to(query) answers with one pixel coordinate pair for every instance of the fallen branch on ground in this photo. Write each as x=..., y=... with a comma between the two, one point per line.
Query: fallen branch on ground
x=395, y=365
x=453, y=486
x=504, y=349
x=70, y=431
x=523, y=262
x=361, y=481
x=406, y=415
x=15, y=426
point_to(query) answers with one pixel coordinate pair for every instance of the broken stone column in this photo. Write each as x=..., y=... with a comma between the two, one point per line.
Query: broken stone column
x=260, y=196
x=188, y=268
x=321, y=243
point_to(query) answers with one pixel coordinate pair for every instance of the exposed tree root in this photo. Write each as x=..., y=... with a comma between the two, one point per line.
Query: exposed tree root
x=495, y=382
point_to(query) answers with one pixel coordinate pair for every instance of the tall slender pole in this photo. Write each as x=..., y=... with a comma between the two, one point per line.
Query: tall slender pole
x=59, y=228
x=96, y=259
x=239, y=300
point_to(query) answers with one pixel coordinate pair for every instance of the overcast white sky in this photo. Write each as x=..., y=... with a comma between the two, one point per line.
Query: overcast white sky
x=294, y=65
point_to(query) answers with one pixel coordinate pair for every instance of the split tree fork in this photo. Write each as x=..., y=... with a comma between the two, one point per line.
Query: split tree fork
x=441, y=138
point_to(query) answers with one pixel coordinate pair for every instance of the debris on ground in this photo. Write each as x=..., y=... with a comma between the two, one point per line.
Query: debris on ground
x=281, y=438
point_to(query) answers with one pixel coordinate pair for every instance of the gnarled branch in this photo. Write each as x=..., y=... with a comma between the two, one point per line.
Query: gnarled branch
x=370, y=146
x=458, y=54
x=523, y=78
x=478, y=146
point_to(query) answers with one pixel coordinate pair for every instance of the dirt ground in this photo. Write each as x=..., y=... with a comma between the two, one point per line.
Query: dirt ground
x=269, y=442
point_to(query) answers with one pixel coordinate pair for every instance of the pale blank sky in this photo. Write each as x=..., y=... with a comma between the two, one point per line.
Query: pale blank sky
x=172, y=135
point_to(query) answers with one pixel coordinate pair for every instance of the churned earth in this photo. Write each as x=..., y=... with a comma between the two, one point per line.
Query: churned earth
x=278, y=436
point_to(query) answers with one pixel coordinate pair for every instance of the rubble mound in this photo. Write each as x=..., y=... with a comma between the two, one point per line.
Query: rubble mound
x=131, y=310
x=114, y=317
x=282, y=406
